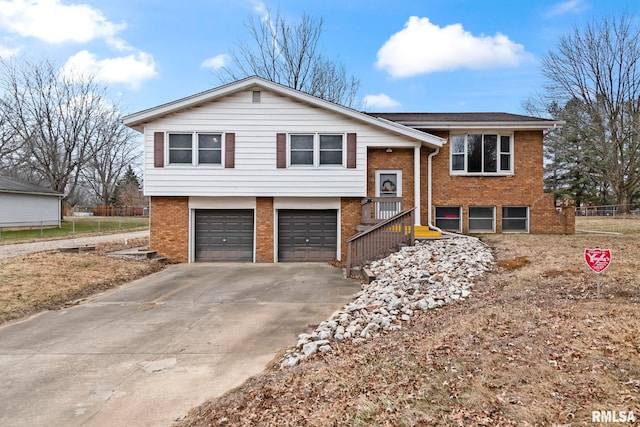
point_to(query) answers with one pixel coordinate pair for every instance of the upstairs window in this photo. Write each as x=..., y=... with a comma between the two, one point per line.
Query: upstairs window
x=316, y=150
x=180, y=148
x=210, y=148
x=480, y=154
x=302, y=149
x=330, y=149
x=195, y=148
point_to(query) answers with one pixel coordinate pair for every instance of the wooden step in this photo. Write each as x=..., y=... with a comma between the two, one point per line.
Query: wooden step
x=423, y=231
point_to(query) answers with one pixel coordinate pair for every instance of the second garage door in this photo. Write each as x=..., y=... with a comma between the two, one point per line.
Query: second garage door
x=307, y=235
x=223, y=235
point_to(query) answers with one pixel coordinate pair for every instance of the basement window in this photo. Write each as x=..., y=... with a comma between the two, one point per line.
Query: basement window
x=482, y=219
x=515, y=219
x=449, y=218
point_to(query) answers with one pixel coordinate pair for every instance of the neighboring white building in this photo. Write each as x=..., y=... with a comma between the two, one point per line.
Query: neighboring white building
x=23, y=204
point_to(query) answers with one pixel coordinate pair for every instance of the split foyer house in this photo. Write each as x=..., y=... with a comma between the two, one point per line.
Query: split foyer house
x=259, y=172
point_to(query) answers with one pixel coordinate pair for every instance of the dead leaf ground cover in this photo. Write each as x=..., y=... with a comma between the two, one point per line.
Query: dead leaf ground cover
x=50, y=280
x=532, y=346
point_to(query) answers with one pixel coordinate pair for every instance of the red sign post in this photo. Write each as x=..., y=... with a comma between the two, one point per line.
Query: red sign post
x=598, y=260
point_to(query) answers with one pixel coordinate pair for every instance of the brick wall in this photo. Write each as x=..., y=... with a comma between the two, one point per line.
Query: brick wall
x=169, y=227
x=264, y=229
x=524, y=188
x=351, y=213
x=549, y=220
x=399, y=159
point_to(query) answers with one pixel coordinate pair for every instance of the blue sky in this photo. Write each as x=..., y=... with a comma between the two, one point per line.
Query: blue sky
x=422, y=55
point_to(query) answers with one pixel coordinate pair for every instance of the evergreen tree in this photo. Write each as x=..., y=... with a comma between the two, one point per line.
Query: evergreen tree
x=128, y=190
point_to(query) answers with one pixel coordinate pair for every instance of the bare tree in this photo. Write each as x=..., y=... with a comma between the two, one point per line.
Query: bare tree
x=115, y=149
x=53, y=116
x=598, y=70
x=9, y=144
x=69, y=134
x=290, y=54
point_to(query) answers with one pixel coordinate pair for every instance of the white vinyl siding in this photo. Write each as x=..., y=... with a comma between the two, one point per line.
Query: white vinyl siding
x=255, y=173
x=29, y=210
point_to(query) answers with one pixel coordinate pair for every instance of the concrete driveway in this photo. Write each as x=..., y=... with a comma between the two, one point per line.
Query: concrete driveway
x=146, y=353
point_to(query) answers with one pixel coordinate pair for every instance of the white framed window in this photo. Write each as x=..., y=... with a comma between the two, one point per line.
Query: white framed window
x=316, y=150
x=195, y=148
x=209, y=148
x=481, y=154
x=301, y=150
x=449, y=218
x=482, y=219
x=180, y=148
x=515, y=219
x=331, y=149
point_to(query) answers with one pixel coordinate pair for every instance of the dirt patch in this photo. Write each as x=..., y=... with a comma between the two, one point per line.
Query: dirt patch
x=51, y=280
x=513, y=263
x=532, y=346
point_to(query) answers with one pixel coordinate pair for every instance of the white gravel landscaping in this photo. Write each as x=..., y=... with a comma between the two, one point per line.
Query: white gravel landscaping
x=417, y=278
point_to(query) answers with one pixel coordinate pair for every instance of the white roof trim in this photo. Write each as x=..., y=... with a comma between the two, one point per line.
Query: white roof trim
x=139, y=119
x=32, y=193
x=523, y=125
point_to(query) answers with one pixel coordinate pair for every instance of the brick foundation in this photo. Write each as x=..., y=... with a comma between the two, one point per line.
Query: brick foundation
x=264, y=229
x=169, y=227
x=351, y=213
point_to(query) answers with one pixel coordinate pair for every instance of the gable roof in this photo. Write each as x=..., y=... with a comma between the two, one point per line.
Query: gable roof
x=15, y=185
x=470, y=120
x=139, y=119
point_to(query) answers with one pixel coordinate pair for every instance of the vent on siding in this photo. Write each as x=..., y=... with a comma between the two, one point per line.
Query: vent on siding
x=256, y=97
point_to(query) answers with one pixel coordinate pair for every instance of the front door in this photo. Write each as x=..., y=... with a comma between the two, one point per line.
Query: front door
x=388, y=185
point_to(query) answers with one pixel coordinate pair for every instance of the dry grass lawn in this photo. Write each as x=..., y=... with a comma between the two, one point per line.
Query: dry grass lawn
x=50, y=280
x=531, y=347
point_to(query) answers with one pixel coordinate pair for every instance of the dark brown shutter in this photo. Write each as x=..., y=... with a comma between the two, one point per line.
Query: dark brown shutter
x=229, y=150
x=158, y=149
x=351, y=150
x=281, y=150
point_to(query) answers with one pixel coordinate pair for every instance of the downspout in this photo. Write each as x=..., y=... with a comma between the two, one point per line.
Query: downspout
x=429, y=190
x=429, y=202
x=416, y=185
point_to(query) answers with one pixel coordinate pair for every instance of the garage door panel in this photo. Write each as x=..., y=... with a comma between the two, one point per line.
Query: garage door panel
x=223, y=235
x=307, y=235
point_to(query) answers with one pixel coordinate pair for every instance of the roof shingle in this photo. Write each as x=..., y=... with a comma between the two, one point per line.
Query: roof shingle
x=15, y=185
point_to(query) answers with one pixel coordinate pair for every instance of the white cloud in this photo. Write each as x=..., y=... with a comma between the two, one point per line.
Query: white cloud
x=569, y=6
x=381, y=101
x=216, y=62
x=55, y=22
x=422, y=47
x=130, y=70
x=261, y=9
x=6, y=52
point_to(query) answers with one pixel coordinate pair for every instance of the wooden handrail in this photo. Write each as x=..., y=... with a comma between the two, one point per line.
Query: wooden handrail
x=381, y=239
